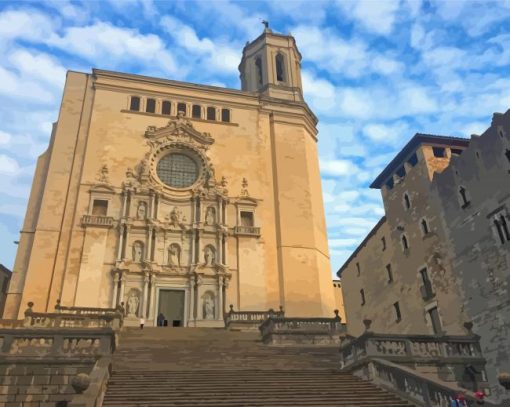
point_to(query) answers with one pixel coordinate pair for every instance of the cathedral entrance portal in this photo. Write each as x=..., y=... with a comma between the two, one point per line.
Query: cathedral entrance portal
x=171, y=308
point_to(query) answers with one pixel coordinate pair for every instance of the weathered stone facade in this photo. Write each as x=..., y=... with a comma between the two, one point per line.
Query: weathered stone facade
x=445, y=237
x=180, y=199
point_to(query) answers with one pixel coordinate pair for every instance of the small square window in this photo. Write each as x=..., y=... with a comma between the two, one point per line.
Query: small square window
x=100, y=207
x=358, y=269
x=211, y=113
x=225, y=115
x=401, y=172
x=413, y=160
x=390, y=183
x=383, y=242
x=181, y=107
x=398, y=315
x=151, y=106
x=135, y=103
x=362, y=293
x=247, y=219
x=390, y=273
x=456, y=151
x=196, y=111
x=439, y=152
x=165, y=107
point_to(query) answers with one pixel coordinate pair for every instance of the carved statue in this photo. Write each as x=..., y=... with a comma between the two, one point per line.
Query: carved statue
x=137, y=251
x=142, y=210
x=208, y=306
x=132, y=304
x=103, y=174
x=210, y=216
x=244, y=187
x=175, y=216
x=174, y=255
x=209, y=256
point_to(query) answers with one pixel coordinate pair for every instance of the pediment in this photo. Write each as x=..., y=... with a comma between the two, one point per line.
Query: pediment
x=178, y=129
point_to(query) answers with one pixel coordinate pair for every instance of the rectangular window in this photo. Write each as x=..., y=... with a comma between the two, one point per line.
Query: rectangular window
x=390, y=183
x=247, y=219
x=401, y=172
x=135, y=103
x=181, y=107
x=383, y=242
x=390, y=273
x=362, y=293
x=151, y=106
x=100, y=207
x=196, y=111
x=358, y=269
x=456, y=151
x=211, y=113
x=398, y=315
x=439, y=152
x=165, y=107
x=225, y=115
x=436, y=322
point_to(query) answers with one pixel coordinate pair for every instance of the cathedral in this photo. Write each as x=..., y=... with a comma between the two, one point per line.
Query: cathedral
x=176, y=199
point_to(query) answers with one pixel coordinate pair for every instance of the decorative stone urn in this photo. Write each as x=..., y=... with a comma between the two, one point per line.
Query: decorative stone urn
x=80, y=382
x=367, y=323
x=504, y=380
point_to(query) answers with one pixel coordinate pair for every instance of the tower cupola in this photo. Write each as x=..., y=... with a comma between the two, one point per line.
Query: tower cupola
x=271, y=64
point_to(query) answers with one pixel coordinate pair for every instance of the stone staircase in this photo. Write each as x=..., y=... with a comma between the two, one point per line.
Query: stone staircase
x=214, y=367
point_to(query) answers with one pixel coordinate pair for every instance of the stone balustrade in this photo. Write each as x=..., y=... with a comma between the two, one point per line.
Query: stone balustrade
x=85, y=310
x=281, y=330
x=249, y=319
x=247, y=230
x=420, y=389
x=51, y=343
x=410, y=348
x=94, y=220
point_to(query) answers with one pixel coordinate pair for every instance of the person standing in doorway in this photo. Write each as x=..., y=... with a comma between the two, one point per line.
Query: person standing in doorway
x=142, y=322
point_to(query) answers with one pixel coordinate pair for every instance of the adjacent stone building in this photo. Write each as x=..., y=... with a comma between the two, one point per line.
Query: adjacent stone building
x=440, y=256
x=180, y=199
x=5, y=277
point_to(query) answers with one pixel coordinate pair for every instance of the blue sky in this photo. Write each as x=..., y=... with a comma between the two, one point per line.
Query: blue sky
x=375, y=73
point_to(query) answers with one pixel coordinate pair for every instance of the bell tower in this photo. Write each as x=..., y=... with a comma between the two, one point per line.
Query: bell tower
x=271, y=65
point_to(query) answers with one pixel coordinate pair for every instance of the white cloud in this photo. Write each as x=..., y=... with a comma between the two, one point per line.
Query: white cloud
x=391, y=134
x=375, y=16
x=8, y=165
x=337, y=167
x=38, y=66
x=20, y=88
x=25, y=24
x=4, y=137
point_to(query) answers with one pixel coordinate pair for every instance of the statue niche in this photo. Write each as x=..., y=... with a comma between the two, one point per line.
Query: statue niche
x=138, y=251
x=141, y=212
x=208, y=307
x=133, y=302
x=209, y=255
x=174, y=255
x=210, y=216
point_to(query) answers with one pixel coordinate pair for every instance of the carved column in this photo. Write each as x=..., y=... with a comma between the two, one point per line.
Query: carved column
x=149, y=244
x=219, y=253
x=225, y=249
x=124, y=203
x=152, y=305
x=191, y=299
x=125, y=242
x=220, y=298
x=199, y=310
x=115, y=288
x=121, y=242
x=199, y=246
x=151, y=212
x=122, y=287
x=192, y=246
x=156, y=214
x=145, y=295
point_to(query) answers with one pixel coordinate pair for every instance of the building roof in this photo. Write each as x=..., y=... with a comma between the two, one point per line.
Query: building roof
x=5, y=270
x=410, y=147
x=362, y=244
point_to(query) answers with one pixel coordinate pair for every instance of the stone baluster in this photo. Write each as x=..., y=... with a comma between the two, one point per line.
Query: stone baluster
x=115, y=288
x=146, y=278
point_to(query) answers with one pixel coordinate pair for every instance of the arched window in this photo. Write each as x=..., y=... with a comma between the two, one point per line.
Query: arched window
x=181, y=107
x=280, y=68
x=258, y=69
x=407, y=201
x=463, y=196
x=225, y=115
x=211, y=113
x=196, y=111
x=405, y=244
x=424, y=227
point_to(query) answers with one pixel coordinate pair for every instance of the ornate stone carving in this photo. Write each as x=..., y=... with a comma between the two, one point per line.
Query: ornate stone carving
x=133, y=302
x=138, y=251
x=209, y=255
x=141, y=212
x=174, y=255
x=208, y=305
x=210, y=216
x=244, y=188
x=103, y=175
x=176, y=219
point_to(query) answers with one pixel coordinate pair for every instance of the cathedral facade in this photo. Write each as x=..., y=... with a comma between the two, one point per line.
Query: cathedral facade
x=179, y=199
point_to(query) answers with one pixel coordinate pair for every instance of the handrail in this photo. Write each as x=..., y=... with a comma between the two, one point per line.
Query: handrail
x=250, y=317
